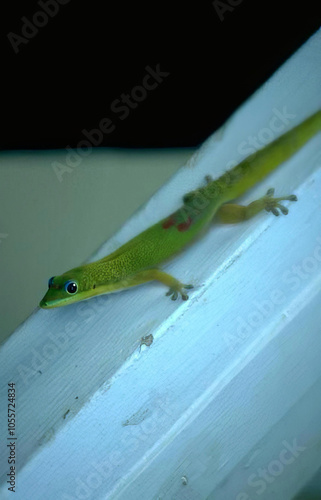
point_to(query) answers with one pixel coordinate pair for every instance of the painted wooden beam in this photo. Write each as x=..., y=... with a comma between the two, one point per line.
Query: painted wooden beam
x=225, y=403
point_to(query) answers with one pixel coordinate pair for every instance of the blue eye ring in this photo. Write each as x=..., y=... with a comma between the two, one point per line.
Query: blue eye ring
x=50, y=281
x=71, y=287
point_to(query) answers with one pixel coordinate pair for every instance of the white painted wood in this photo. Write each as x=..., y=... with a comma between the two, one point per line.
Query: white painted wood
x=232, y=379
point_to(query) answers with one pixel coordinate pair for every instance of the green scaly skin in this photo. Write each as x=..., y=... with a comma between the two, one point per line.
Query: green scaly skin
x=136, y=262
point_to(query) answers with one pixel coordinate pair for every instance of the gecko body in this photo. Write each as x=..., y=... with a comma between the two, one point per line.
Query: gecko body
x=137, y=261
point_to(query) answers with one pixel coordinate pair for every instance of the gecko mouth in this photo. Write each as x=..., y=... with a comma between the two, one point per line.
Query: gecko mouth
x=44, y=304
x=48, y=305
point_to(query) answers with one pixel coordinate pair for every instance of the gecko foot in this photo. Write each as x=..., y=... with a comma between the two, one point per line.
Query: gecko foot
x=175, y=290
x=272, y=204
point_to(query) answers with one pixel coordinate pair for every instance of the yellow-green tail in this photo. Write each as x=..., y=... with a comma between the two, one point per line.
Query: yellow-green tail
x=251, y=170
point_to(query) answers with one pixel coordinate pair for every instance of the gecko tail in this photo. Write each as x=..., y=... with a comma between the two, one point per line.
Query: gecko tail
x=256, y=166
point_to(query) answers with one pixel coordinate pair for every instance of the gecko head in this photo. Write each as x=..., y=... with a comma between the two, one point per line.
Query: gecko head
x=65, y=289
x=82, y=283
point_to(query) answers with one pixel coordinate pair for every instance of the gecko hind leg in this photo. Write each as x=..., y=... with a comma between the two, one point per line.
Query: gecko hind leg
x=272, y=204
x=189, y=197
x=230, y=213
x=174, y=291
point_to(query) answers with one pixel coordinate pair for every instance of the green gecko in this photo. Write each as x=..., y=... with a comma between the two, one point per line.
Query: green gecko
x=137, y=261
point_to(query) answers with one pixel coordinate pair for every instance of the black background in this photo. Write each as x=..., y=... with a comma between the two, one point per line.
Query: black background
x=64, y=79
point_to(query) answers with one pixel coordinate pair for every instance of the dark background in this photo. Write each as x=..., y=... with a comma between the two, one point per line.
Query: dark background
x=64, y=78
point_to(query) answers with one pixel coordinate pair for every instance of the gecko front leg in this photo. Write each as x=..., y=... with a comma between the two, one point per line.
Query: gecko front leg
x=175, y=286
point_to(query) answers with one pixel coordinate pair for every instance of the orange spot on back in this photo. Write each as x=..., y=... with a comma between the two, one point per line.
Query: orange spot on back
x=185, y=225
x=169, y=222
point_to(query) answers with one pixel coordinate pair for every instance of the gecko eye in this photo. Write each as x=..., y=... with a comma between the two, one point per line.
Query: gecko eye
x=50, y=281
x=71, y=287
